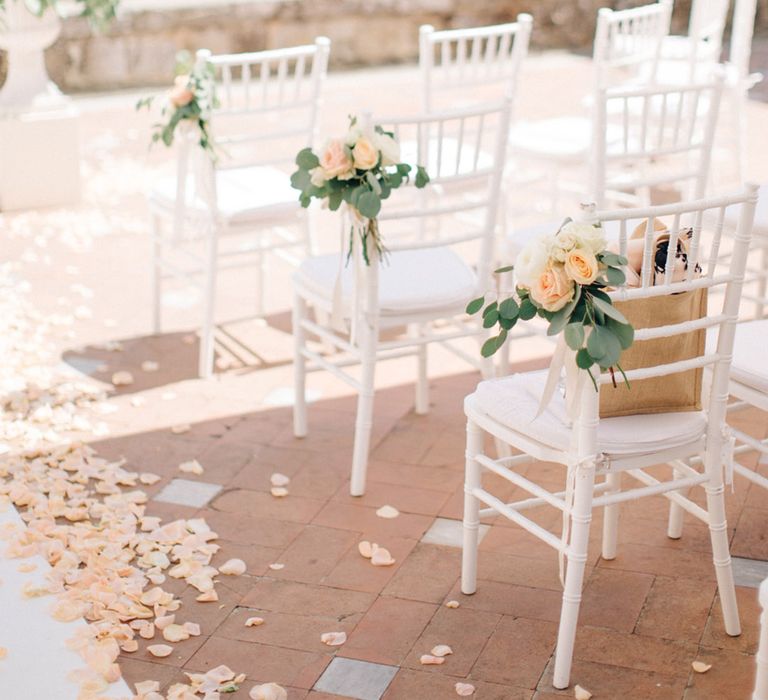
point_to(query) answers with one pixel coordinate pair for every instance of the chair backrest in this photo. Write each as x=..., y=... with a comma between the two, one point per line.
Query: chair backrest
x=460, y=67
x=707, y=23
x=464, y=153
x=702, y=271
x=653, y=136
x=628, y=43
x=742, y=29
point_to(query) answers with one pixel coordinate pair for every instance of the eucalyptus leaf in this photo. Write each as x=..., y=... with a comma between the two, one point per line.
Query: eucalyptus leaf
x=491, y=307
x=422, y=177
x=583, y=359
x=306, y=159
x=609, y=310
x=509, y=309
x=574, y=335
x=527, y=310
x=507, y=268
x=490, y=319
x=475, y=305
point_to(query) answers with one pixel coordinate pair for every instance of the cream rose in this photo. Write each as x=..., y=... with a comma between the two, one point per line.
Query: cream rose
x=553, y=289
x=531, y=261
x=390, y=149
x=317, y=177
x=581, y=266
x=181, y=95
x=586, y=235
x=335, y=162
x=365, y=154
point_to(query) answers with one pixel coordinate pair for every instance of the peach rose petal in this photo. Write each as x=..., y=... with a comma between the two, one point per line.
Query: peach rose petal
x=333, y=639
x=193, y=629
x=276, y=566
x=181, y=428
x=122, y=378
x=388, y=512
x=365, y=548
x=278, y=479
x=268, y=691
x=164, y=620
x=429, y=660
x=464, y=689
x=129, y=645
x=160, y=650
x=208, y=597
x=581, y=693
x=191, y=467
x=382, y=557
x=254, y=621
x=147, y=632
x=175, y=633
x=220, y=674
x=279, y=491
x=148, y=479
x=452, y=604
x=441, y=650
x=144, y=687
x=233, y=567
x=700, y=666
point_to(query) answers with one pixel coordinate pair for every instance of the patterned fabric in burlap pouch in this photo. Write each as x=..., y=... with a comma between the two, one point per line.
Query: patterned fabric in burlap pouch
x=673, y=392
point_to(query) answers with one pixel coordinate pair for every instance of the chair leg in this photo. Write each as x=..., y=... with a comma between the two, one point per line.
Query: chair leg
x=299, y=368
x=364, y=420
x=205, y=368
x=422, y=380
x=718, y=531
x=676, y=513
x=581, y=517
x=157, y=276
x=261, y=282
x=611, y=518
x=472, y=479
x=761, y=679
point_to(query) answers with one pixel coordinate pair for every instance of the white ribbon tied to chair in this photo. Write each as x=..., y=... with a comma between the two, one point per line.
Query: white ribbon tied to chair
x=337, y=303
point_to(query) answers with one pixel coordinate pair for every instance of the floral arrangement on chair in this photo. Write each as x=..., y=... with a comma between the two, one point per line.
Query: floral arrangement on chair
x=359, y=170
x=191, y=99
x=562, y=278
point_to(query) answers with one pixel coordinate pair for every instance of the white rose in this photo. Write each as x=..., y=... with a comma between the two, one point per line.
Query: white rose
x=532, y=261
x=587, y=236
x=564, y=243
x=317, y=176
x=354, y=133
x=390, y=149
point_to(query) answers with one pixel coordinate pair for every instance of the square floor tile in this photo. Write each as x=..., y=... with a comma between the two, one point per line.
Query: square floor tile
x=185, y=492
x=355, y=679
x=749, y=572
x=449, y=533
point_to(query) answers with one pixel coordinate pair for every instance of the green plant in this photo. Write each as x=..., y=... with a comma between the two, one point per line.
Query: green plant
x=100, y=13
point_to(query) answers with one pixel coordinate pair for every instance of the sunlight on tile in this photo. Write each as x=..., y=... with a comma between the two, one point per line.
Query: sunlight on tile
x=449, y=533
x=185, y=492
x=749, y=572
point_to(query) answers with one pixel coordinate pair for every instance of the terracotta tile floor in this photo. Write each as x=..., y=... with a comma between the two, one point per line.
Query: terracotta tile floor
x=646, y=615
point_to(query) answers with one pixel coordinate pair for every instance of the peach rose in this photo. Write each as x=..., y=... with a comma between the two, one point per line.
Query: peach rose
x=581, y=266
x=365, y=154
x=335, y=161
x=553, y=289
x=181, y=95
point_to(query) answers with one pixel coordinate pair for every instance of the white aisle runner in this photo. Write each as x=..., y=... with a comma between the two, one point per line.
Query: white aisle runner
x=38, y=659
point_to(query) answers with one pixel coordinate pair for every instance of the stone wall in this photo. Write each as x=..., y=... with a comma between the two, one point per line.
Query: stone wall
x=139, y=48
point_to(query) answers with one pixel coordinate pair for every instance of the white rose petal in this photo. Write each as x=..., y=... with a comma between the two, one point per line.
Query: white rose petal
x=700, y=666
x=268, y=691
x=464, y=689
x=333, y=639
x=581, y=693
x=388, y=512
x=233, y=567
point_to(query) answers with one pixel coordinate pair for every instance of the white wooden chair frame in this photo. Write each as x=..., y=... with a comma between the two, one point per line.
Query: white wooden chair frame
x=367, y=348
x=270, y=83
x=761, y=680
x=583, y=459
x=454, y=59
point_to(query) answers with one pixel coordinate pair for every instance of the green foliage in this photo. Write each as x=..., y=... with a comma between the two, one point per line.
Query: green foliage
x=99, y=13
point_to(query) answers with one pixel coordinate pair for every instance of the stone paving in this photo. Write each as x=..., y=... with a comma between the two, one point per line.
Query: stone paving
x=646, y=615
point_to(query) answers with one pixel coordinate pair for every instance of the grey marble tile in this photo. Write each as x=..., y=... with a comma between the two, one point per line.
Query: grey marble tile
x=749, y=572
x=185, y=492
x=361, y=680
x=449, y=533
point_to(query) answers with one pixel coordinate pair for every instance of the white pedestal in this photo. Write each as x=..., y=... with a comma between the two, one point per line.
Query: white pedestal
x=39, y=159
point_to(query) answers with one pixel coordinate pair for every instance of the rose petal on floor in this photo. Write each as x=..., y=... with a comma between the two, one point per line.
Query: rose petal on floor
x=148, y=478
x=333, y=639
x=208, y=597
x=581, y=693
x=388, y=512
x=160, y=650
x=150, y=366
x=276, y=567
x=175, y=633
x=279, y=491
x=464, y=689
x=452, y=604
x=143, y=687
x=268, y=691
x=233, y=567
x=700, y=666
x=382, y=557
x=278, y=479
x=365, y=548
x=122, y=378
x=441, y=650
x=429, y=660
x=191, y=467
x=254, y=621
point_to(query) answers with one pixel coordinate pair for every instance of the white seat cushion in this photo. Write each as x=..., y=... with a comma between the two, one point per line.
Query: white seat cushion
x=409, y=280
x=748, y=365
x=244, y=194
x=514, y=401
x=559, y=138
x=761, y=213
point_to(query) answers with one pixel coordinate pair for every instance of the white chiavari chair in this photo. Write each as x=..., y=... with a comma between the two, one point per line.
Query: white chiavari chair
x=423, y=284
x=761, y=679
x=614, y=447
x=232, y=211
x=461, y=67
x=626, y=51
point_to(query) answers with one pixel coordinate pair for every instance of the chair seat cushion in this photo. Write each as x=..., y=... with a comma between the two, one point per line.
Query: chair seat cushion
x=559, y=138
x=749, y=363
x=409, y=280
x=514, y=401
x=243, y=194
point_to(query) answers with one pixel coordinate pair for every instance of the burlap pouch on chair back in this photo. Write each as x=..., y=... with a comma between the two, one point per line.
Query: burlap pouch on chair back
x=672, y=392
